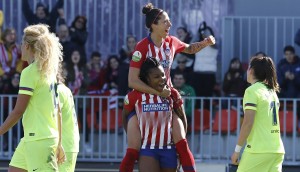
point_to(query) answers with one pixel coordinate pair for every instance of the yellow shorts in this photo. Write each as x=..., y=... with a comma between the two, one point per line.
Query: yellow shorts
x=255, y=162
x=36, y=155
x=69, y=164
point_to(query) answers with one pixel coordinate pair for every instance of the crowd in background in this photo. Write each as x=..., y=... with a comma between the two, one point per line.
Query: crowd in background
x=89, y=73
x=96, y=74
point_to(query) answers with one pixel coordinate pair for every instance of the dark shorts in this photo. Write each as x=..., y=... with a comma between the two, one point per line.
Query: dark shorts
x=131, y=115
x=167, y=158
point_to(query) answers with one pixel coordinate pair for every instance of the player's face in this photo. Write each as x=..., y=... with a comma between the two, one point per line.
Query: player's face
x=157, y=78
x=163, y=26
x=25, y=51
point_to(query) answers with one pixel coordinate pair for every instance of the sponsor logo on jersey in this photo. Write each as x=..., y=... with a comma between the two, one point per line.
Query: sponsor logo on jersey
x=126, y=100
x=167, y=52
x=165, y=63
x=136, y=56
x=153, y=107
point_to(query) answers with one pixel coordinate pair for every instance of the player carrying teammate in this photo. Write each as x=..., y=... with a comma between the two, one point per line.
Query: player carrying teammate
x=154, y=114
x=163, y=47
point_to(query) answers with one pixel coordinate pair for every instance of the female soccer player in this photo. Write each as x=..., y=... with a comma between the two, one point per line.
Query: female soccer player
x=163, y=47
x=70, y=132
x=264, y=149
x=40, y=149
x=154, y=114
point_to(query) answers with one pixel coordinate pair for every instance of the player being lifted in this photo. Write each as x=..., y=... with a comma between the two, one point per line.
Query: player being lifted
x=160, y=45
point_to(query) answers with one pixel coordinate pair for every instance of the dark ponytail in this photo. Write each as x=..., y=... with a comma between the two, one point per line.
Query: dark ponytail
x=152, y=15
x=265, y=71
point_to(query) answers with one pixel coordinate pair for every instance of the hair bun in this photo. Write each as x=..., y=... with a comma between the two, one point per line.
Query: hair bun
x=147, y=8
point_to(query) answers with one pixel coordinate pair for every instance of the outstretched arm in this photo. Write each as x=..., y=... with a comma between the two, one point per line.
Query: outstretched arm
x=197, y=46
x=16, y=114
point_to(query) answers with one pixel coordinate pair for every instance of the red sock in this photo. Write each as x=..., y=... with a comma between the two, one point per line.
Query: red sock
x=185, y=156
x=129, y=159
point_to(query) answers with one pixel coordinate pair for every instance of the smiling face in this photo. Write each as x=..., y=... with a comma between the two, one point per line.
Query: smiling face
x=163, y=25
x=157, y=78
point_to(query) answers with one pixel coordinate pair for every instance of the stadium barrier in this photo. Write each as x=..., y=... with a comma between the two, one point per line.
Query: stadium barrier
x=213, y=130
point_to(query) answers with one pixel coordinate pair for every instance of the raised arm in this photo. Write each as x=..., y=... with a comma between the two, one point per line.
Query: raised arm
x=27, y=11
x=16, y=114
x=197, y=46
x=54, y=12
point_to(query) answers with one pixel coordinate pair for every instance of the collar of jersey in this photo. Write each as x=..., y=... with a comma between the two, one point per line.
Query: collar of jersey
x=150, y=40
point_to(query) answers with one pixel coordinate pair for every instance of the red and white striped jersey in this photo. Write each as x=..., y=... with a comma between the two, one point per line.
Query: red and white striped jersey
x=164, y=54
x=154, y=116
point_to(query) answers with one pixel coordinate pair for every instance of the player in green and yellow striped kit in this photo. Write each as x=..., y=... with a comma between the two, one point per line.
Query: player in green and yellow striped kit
x=264, y=149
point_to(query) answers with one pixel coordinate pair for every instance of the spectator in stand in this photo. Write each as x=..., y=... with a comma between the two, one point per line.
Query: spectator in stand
x=260, y=54
x=77, y=79
x=10, y=54
x=186, y=91
x=64, y=39
x=1, y=22
x=96, y=72
x=182, y=67
x=288, y=73
x=42, y=14
x=79, y=34
x=127, y=50
x=205, y=68
x=10, y=86
x=112, y=73
x=184, y=36
x=123, y=77
x=234, y=84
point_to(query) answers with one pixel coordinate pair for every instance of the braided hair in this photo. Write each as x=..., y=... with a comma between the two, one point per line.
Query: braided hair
x=148, y=64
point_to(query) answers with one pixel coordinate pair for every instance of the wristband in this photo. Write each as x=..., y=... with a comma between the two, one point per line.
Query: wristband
x=238, y=148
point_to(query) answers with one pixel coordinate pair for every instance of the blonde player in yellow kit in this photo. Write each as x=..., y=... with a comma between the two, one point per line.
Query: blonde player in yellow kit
x=40, y=149
x=264, y=151
x=70, y=132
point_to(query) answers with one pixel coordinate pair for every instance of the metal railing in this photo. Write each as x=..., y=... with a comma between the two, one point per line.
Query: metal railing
x=243, y=36
x=213, y=130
